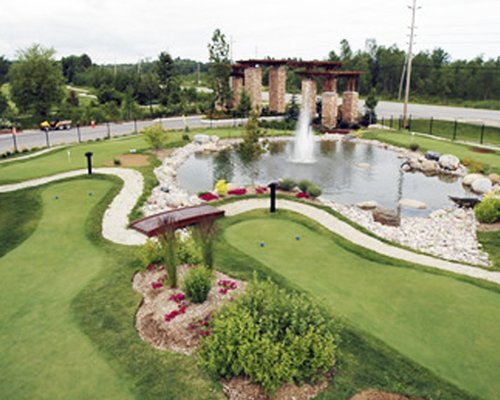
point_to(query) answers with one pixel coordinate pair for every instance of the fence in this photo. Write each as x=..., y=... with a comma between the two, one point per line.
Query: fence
x=452, y=130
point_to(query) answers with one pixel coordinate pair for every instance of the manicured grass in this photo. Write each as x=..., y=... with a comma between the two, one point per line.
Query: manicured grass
x=404, y=139
x=66, y=321
x=445, y=324
x=465, y=132
x=491, y=244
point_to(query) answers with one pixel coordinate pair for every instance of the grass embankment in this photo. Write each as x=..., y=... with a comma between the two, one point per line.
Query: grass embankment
x=405, y=139
x=491, y=244
x=66, y=321
x=445, y=129
x=445, y=324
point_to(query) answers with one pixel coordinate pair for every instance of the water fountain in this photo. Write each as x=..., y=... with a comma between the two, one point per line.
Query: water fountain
x=303, y=148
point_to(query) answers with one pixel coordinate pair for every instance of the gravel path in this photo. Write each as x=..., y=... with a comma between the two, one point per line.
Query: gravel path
x=353, y=235
x=115, y=220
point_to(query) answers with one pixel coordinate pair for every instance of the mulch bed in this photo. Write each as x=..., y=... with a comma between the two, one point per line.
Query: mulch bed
x=489, y=227
x=372, y=394
x=130, y=160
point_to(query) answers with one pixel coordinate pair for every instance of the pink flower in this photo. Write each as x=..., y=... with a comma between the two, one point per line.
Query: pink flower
x=208, y=196
x=302, y=195
x=237, y=192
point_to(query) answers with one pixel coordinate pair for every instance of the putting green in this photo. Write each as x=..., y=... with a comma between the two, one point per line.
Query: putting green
x=447, y=325
x=44, y=355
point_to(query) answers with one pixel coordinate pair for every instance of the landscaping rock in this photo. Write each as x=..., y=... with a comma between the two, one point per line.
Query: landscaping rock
x=367, y=205
x=386, y=216
x=494, y=178
x=201, y=139
x=410, y=203
x=470, y=178
x=364, y=165
x=432, y=155
x=429, y=166
x=449, y=161
x=482, y=185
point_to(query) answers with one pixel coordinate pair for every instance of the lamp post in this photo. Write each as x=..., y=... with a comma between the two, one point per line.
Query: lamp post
x=88, y=154
x=273, y=187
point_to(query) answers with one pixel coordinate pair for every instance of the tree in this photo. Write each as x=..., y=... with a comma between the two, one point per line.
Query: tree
x=165, y=69
x=4, y=69
x=37, y=82
x=345, y=50
x=105, y=94
x=250, y=149
x=4, y=104
x=292, y=110
x=220, y=68
x=245, y=105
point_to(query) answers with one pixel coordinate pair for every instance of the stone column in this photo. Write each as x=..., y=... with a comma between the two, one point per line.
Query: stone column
x=309, y=91
x=237, y=88
x=253, y=87
x=277, y=89
x=329, y=109
x=350, y=107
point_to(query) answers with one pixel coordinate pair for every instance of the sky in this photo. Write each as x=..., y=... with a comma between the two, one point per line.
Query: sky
x=119, y=31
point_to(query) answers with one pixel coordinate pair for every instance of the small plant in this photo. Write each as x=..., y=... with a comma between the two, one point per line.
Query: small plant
x=169, y=246
x=287, y=184
x=197, y=284
x=150, y=253
x=414, y=146
x=189, y=252
x=185, y=138
x=304, y=185
x=221, y=187
x=204, y=234
x=314, y=191
x=117, y=162
x=488, y=211
x=155, y=135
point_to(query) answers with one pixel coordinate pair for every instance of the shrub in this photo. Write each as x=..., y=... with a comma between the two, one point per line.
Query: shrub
x=204, y=234
x=189, y=252
x=197, y=284
x=314, y=191
x=287, y=184
x=185, y=138
x=169, y=244
x=150, y=253
x=117, y=162
x=488, y=211
x=155, y=136
x=304, y=185
x=271, y=337
x=221, y=187
x=414, y=146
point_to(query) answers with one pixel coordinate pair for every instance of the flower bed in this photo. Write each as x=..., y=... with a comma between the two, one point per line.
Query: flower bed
x=208, y=196
x=237, y=192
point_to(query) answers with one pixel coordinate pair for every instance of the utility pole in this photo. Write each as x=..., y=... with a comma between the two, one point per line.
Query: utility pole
x=409, y=61
x=400, y=91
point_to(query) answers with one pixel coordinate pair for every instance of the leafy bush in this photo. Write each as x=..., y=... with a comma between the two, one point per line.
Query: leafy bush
x=117, y=162
x=169, y=245
x=204, y=235
x=150, y=253
x=414, y=146
x=188, y=252
x=185, y=138
x=271, y=337
x=304, y=185
x=287, y=184
x=155, y=135
x=314, y=191
x=488, y=211
x=197, y=284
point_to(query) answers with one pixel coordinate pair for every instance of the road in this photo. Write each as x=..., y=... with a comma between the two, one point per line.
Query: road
x=31, y=138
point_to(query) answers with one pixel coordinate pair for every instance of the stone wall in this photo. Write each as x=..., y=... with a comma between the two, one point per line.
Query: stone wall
x=350, y=107
x=253, y=87
x=309, y=91
x=329, y=109
x=277, y=89
x=237, y=88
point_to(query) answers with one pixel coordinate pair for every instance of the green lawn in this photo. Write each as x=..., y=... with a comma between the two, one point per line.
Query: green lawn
x=66, y=321
x=445, y=324
x=404, y=139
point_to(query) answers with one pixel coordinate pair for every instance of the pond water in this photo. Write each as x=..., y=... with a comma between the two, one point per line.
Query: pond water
x=337, y=171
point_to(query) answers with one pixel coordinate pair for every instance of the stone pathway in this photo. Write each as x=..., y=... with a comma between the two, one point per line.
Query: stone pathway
x=115, y=220
x=32, y=155
x=353, y=235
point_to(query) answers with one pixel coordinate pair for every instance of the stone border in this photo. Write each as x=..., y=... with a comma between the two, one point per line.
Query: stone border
x=32, y=155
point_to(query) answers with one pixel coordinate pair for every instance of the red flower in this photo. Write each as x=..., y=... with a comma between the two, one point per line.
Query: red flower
x=208, y=196
x=302, y=195
x=237, y=192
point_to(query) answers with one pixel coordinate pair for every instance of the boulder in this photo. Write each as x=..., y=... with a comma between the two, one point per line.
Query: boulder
x=214, y=138
x=410, y=203
x=429, y=166
x=494, y=178
x=449, y=161
x=367, y=205
x=363, y=165
x=482, y=185
x=432, y=155
x=470, y=178
x=201, y=139
x=386, y=216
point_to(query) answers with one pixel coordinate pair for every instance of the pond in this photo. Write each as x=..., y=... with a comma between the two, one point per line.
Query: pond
x=347, y=172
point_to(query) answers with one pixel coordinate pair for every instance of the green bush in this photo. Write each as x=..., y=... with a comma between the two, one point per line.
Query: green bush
x=189, y=252
x=117, y=162
x=488, y=211
x=287, y=184
x=314, y=191
x=155, y=136
x=197, y=284
x=150, y=253
x=414, y=146
x=271, y=337
x=304, y=185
